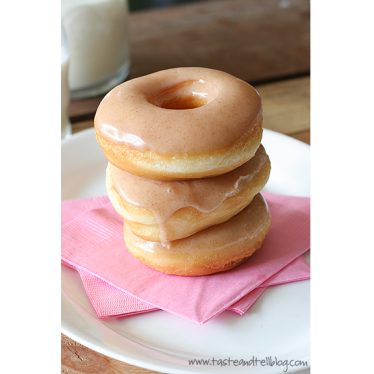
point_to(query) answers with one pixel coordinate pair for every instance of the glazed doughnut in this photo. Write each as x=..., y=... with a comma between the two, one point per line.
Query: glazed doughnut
x=170, y=210
x=180, y=123
x=218, y=248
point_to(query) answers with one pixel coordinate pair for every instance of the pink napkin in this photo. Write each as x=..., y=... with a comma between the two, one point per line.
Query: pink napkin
x=118, y=285
x=109, y=301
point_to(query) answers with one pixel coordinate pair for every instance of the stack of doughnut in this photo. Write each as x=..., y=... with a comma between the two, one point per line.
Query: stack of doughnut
x=186, y=166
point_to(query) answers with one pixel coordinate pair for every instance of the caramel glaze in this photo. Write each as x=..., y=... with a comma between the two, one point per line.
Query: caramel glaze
x=163, y=198
x=180, y=111
x=210, y=250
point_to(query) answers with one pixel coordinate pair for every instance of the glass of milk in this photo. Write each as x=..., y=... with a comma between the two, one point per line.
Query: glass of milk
x=65, y=97
x=98, y=40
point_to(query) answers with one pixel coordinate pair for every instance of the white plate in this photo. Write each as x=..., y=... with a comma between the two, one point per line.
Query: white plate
x=278, y=324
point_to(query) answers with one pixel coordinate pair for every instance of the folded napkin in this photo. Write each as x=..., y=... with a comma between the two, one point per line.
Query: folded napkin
x=108, y=301
x=118, y=285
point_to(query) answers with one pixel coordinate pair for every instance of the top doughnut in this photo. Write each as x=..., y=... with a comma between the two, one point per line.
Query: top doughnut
x=180, y=123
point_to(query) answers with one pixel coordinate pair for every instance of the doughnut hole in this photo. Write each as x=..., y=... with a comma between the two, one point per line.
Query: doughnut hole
x=188, y=94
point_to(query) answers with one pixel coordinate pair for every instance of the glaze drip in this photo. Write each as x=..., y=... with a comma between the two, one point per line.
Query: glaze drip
x=164, y=198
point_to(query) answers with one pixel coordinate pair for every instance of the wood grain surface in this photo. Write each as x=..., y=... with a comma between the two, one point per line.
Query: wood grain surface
x=255, y=40
x=286, y=105
x=265, y=42
x=78, y=359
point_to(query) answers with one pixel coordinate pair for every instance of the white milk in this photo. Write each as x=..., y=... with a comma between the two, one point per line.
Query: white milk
x=98, y=42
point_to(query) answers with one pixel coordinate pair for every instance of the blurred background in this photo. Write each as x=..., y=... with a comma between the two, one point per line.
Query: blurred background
x=264, y=42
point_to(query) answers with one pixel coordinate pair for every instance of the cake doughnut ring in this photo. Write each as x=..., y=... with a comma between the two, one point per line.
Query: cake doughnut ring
x=170, y=210
x=180, y=123
x=218, y=248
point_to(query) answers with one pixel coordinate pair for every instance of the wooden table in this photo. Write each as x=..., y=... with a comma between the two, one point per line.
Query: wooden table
x=265, y=42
